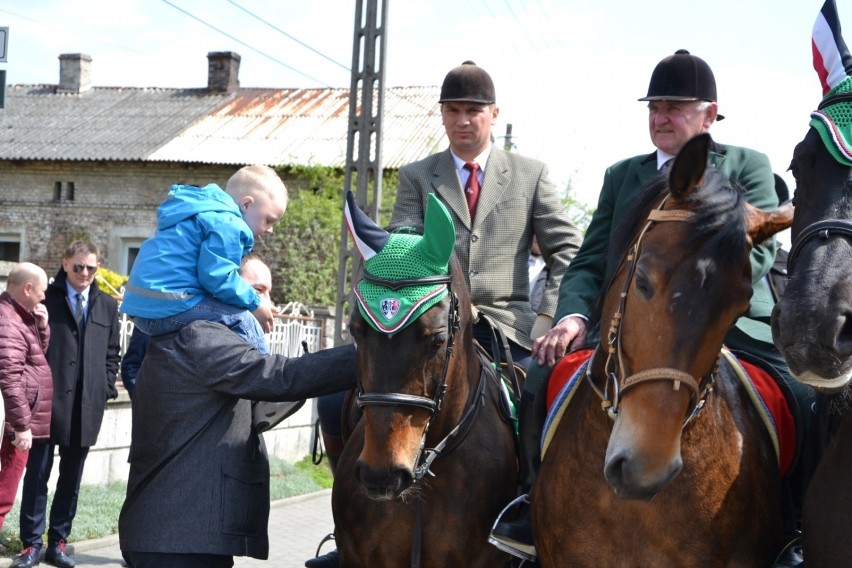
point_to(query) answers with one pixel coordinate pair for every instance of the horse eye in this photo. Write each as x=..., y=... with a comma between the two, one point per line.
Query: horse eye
x=437, y=341
x=643, y=286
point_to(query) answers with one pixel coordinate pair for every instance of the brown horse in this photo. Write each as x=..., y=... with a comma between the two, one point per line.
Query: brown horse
x=812, y=326
x=426, y=470
x=686, y=475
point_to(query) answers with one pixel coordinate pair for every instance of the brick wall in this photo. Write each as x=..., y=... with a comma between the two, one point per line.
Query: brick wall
x=112, y=201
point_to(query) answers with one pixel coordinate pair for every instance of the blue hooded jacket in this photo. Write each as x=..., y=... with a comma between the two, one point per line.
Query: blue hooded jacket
x=201, y=238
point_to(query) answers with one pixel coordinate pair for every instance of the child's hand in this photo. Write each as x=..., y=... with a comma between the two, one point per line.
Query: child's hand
x=263, y=314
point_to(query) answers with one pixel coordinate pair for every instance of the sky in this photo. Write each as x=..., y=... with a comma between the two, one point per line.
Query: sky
x=568, y=73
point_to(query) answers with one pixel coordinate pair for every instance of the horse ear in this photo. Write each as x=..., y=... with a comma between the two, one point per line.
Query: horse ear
x=369, y=238
x=689, y=165
x=439, y=233
x=763, y=224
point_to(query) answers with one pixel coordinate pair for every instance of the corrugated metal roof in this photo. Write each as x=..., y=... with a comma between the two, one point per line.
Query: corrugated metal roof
x=261, y=126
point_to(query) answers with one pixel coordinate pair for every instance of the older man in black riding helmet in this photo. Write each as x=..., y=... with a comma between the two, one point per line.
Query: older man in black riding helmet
x=682, y=103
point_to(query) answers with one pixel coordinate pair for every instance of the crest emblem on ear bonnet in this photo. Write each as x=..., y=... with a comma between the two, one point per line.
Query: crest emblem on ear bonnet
x=397, y=256
x=833, y=63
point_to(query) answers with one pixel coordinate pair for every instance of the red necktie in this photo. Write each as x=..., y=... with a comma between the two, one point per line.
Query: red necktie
x=471, y=188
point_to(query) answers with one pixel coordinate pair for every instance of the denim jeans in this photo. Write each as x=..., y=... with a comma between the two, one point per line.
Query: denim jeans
x=240, y=321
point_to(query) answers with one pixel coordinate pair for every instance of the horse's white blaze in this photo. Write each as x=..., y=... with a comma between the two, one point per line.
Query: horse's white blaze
x=705, y=268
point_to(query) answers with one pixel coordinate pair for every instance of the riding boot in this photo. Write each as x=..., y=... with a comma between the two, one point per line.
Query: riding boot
x=333, y=449
x=515, y=537
x=328, y=560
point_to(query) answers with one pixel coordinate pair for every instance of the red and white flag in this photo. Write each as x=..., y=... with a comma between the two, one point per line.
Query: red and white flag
x=832, y=60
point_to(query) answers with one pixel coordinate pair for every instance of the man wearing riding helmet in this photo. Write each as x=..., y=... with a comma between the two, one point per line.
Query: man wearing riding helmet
x=682, y=103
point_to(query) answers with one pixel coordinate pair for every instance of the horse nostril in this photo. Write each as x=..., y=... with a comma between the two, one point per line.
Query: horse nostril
x=844, y=336
x=614, y=471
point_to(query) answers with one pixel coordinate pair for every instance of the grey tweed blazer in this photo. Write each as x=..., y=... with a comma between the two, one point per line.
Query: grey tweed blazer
x=517, y=201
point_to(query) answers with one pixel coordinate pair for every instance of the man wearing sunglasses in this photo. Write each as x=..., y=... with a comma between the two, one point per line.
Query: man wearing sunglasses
x=83, y=356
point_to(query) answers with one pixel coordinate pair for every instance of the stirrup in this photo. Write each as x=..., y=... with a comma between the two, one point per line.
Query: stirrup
x=325, y=539
x=516, y=552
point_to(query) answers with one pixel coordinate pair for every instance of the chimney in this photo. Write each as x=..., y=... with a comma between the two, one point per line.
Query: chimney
x=75, y=73
x=223, y=69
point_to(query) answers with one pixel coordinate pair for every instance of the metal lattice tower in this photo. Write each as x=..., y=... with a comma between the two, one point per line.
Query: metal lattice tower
x=364, y=143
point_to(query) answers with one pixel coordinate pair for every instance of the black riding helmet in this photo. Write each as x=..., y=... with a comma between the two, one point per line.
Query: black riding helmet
x=682, y=77
x=468, y=83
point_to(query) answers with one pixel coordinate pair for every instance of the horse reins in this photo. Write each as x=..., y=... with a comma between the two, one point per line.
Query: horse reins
x=614, y=358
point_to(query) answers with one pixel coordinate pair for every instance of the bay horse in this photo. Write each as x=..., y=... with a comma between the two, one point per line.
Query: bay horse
x=428, y=467
x=812, y=326
x=680, y=470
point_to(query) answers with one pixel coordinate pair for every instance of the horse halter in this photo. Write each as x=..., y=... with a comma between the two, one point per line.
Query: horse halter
x=824, y=229
x=614, y=359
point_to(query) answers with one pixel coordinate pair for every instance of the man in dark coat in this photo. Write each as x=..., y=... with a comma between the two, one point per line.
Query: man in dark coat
x=84, y=358
x=198, y=489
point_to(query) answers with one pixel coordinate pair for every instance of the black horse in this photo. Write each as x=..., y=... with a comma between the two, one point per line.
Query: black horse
x=812, y=324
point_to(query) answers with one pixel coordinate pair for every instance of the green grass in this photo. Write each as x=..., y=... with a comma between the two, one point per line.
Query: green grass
x=99, y=506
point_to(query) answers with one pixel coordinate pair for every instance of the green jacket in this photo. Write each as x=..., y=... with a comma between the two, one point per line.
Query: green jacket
x=622, y=184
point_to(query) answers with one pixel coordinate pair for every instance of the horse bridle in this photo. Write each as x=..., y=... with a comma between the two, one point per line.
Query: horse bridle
x=614, y=358
x=425, y=456
x=824, y=229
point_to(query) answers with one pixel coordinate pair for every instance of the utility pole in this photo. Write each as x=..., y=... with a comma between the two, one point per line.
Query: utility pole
x=364, y=143
x=508, y=145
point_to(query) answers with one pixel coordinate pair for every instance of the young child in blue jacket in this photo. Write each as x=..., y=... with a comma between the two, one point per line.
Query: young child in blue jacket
x=189, y=270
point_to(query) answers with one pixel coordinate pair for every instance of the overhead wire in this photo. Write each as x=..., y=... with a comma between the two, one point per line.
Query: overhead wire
x=241, y=42
x=259, y=18
x=285, y=34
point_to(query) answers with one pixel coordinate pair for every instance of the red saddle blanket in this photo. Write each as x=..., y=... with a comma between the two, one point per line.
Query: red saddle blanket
x=762, y=387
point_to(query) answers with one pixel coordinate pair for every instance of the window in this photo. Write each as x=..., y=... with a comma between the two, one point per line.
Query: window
x=132, y=253
x=10, y=247
x=69, y=191
x=129, y=251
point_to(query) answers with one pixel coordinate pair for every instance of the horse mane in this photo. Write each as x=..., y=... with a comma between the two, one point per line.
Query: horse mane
x=718, y=205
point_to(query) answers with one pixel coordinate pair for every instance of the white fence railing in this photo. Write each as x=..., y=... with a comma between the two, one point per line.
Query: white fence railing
x=293, y=325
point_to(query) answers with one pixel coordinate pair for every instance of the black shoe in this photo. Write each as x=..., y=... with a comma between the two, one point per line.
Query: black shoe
x=327, y=560
x=515, y=537
x=27, y=559
x=55, y=555
x=791, y=557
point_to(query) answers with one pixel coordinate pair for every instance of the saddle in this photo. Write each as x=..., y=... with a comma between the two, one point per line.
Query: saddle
x=767, y=390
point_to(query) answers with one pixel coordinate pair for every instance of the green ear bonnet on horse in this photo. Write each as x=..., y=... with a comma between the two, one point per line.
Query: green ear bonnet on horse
x=399, y=256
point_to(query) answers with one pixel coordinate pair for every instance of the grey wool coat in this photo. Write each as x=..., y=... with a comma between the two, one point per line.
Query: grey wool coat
x=517, y=200
x=199, y=471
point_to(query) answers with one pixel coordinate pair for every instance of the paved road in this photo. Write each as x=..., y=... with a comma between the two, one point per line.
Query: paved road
x=296, y=526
